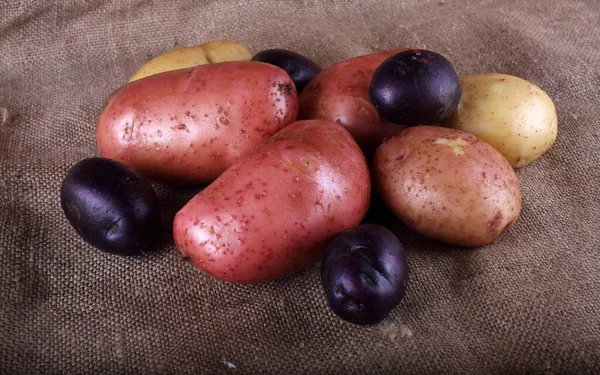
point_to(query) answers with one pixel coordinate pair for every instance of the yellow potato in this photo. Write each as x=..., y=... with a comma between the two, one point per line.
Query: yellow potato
x=208, y=53
x=513, y=115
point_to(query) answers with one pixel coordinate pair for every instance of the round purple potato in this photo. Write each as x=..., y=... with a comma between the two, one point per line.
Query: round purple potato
x=415, y=87
x=364, y=273
x=111, y=207
x=300, y=68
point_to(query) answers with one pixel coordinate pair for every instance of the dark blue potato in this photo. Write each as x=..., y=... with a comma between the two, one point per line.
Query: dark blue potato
x=301, y=69
x=415, y=87
x=111, y=207
x=364, y=273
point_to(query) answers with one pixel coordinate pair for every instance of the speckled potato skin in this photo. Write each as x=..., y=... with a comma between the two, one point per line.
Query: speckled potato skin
x=513, y=115
x=187, y=126
x=448, y=185
x=340, y=93
x=213, y=52
x=272, y=213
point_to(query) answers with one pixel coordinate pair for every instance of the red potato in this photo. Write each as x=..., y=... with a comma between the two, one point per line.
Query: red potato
x=340, y=93
x=272, y=213
x=187, y=126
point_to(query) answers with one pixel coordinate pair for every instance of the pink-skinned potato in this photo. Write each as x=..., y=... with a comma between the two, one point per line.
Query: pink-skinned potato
x=273, y=212
x=188, y=126
x=448, y=185
x=340, y=93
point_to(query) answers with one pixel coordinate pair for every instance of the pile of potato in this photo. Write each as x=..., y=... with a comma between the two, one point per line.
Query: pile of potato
x=288, y=171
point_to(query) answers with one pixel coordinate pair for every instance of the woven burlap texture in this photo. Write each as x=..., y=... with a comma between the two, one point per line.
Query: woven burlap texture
x=527, y=303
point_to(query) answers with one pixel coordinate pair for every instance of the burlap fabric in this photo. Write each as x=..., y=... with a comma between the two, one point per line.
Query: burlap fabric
x=528, y=303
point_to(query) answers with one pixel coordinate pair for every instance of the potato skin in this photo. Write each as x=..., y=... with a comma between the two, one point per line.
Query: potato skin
x=216, y=51
x=187, y=126
x=340, y=93
x=447, y=185
x=513, y=115
x=415, y=87
x=272, y=213
x=111, y=207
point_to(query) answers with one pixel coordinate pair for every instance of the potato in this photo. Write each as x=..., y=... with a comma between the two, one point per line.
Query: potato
x=447, y=185
x=273, y=212
x=187, y=126
x=111, y=207
x=340, y=93
x=213, y=52
x=300, y=68
x=515, y=116
x=415, y=87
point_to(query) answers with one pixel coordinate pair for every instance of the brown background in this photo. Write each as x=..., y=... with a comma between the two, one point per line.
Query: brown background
x=527, y=303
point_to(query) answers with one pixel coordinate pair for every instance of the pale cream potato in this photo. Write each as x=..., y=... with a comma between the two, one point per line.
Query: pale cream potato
x=513, y=115
x=186, y=57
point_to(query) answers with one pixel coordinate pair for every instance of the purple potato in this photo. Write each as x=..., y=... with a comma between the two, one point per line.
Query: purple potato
x=415, y=87
x=300, y=68
x=364, y=273
x=111, y=207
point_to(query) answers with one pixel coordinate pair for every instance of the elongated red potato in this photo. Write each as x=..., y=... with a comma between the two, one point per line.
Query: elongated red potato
x=187, y=126
x=273, y=212
x=340, y=93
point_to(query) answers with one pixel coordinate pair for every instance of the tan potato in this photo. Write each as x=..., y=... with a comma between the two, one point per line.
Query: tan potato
x=447, y=184
x=513, y=115
x=208, y=53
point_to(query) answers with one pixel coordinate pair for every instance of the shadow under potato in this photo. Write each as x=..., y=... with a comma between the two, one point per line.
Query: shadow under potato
x=413, y=241
x=172, y=199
